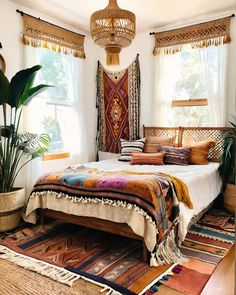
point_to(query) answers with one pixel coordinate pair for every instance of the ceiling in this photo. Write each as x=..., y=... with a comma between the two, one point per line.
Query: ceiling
x=151, y=14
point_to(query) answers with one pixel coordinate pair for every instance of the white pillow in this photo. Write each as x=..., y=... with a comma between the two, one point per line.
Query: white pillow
x=107, y=156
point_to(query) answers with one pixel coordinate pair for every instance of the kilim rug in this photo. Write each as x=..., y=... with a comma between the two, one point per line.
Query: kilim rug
x=66, y=252
x=205, y=245
x=118, y=96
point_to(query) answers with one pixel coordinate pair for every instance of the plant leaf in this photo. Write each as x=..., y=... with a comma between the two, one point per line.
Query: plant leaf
x=29, y=93
x=18, y=84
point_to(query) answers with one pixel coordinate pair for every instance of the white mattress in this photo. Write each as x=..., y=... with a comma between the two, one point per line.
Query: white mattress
x=203, y=182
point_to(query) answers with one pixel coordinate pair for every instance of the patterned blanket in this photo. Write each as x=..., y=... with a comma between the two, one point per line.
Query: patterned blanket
x=154, y=193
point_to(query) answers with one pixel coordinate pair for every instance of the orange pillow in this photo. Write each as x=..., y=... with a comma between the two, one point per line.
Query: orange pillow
x=199, y=151
x=153, y=142
x=147, y=159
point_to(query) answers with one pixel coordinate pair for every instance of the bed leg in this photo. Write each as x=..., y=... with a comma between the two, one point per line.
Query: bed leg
x=145, y=253
x=42, y=218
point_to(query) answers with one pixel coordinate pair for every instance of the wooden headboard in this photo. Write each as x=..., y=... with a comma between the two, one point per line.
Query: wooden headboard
x=182, y=134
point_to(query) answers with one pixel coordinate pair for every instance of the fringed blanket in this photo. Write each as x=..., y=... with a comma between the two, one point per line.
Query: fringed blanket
x=151, y=196
x=118, y=95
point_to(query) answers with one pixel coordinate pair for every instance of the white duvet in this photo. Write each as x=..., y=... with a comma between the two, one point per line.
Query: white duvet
x=203, y=182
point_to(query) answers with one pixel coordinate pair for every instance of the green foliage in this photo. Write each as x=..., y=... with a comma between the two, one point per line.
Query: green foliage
x=17, y=149
x=227, y=165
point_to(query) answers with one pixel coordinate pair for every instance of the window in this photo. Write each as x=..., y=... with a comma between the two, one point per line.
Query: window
x=53, y=109
x=189, y=99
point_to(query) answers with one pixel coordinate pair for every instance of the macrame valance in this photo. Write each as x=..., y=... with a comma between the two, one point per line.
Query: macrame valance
x=212, y=33
x=38, y=33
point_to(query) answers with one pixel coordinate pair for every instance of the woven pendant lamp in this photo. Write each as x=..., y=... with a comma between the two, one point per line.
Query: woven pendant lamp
x=113, y=28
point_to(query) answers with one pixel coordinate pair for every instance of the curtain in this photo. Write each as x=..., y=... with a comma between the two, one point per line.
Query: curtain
x=166, y=76
x=214, y=61
x=74, y=138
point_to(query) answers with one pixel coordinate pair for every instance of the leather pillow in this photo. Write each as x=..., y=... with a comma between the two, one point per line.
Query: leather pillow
x=147, y=159
x=153, y=142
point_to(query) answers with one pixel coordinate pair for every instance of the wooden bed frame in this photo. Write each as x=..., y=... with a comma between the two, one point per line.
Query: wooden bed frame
x=123, y=229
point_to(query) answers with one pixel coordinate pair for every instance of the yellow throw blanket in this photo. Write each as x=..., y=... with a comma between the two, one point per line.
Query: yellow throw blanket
x=181, y=188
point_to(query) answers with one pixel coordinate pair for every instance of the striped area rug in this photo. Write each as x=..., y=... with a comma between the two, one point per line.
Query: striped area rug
x=204, y=246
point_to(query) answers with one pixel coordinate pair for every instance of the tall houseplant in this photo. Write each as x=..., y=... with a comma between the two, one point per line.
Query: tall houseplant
x=16, y=149
x=228, y=166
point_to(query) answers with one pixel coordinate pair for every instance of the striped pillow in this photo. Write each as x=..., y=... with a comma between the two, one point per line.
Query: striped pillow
x=147, y=159
x=128, y=147
x=175, y=155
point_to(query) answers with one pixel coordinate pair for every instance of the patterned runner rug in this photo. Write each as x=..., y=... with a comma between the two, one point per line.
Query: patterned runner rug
x=66, y=252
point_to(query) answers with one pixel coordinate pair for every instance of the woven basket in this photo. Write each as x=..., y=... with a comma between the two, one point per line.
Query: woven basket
x=230, y=198
x=11, y=205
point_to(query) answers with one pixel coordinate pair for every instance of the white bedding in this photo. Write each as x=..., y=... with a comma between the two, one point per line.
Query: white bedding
x=203, y=182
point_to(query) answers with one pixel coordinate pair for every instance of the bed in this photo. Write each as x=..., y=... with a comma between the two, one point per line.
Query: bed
x=202, y=181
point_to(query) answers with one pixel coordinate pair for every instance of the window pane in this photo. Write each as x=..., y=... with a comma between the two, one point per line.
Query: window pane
x=191, y=116
x=190, y=83
x=53, y=73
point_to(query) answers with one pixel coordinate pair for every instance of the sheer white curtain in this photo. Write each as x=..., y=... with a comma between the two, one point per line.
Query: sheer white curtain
x=214, y=61
x=76, y=139
x=166, y=76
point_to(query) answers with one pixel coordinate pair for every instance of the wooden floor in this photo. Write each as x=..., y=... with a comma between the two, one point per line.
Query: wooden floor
x=15, y=280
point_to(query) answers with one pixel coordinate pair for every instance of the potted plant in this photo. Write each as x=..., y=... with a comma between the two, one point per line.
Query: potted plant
x=227, y=168
x=16, y=148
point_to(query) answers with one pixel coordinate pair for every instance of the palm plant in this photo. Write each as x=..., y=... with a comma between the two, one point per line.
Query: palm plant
x=228, y=159
x=17, y=149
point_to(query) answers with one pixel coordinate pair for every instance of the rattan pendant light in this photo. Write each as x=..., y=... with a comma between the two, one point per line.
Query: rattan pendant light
x=113, y=28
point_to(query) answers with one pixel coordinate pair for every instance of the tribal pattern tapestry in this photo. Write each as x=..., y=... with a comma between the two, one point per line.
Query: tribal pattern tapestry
x=118, y=104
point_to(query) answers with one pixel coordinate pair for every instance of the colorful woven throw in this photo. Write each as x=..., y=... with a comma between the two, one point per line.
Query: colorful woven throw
x=118, y=95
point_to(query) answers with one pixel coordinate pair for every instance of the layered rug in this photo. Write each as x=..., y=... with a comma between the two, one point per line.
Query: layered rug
x=66, y=252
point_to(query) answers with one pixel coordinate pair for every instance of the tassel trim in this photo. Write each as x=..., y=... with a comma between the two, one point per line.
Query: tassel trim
x=217, y=41
x=54, y=47
x=167, y=252
x=53, y=272
x=103, y=201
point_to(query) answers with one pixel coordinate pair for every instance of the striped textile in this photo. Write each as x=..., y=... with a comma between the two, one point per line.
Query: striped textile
x=175, y=155
x=204, y=246
x=128, y=147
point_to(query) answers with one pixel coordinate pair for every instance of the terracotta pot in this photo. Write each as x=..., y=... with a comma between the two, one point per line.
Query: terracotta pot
x=230, y=198
x=11, y=205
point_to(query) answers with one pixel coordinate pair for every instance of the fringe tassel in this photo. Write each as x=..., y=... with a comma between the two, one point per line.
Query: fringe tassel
x=167, y=252
x=54, y=47
x=48, y=270
x=85, y=200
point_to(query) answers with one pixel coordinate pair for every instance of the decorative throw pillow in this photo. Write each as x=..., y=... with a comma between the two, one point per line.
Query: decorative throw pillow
x=128, y=147
x=199, y=151
x=153, y=142
x=147, y=159
x=175, y=155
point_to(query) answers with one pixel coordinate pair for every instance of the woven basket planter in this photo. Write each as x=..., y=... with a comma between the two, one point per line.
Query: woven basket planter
x=230, y=198
x=11, y=205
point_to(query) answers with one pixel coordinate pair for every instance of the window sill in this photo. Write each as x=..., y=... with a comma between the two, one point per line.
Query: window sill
x=56, y=156
x=189, y=102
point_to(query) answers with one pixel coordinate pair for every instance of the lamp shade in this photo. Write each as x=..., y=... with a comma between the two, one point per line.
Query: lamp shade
x=113, y=28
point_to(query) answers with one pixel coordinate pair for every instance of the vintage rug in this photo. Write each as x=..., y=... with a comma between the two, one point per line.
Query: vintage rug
x=205, y=245
x=118, y=104
x=66, y=252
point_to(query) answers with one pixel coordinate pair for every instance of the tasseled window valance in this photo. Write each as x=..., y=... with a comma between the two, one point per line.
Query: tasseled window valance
x=39, y=33
x=212, y=33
